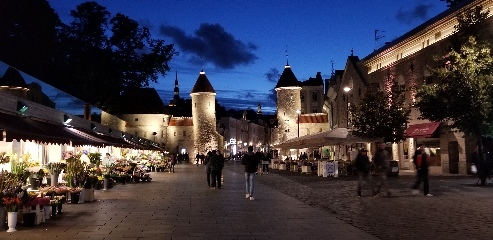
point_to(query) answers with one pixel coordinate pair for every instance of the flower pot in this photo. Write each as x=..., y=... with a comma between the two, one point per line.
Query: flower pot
x=46, y=210
x=106, y=184
x=54, y=179
x=35, y=183
x=81, y=196
x=12, y=221
x=74, y=198
x=29, y=219
x=3, y=216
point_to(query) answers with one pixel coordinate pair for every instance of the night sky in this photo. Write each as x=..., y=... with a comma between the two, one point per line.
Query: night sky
x=241, y=45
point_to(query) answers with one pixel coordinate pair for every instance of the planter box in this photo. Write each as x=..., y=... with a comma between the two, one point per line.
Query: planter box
x=282, y=166
x=306, y=169
x=275, y=166
x=88, y=195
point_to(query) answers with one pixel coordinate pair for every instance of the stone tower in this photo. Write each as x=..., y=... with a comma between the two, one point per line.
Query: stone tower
x=288, y=104
x=204, y=115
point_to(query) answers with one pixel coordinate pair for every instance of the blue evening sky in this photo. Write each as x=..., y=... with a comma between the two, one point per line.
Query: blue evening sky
x=242, y=44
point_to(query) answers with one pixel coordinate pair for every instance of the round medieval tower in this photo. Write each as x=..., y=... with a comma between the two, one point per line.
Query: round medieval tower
x=288, y=104
x=204, y=115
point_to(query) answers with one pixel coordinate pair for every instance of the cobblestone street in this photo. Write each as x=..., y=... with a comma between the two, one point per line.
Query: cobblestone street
x=459, y=208
x=287, y=206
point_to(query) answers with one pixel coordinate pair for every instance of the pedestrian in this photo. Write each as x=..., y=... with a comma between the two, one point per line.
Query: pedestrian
x=172, y=162
x=265, y=163
x=259, y=156
x=216, y=167
x=251, y=163
x=221, y=161
x=421, y=163
x=208, y=167
x=482, y=168
x=362, y=164
x=381, y=163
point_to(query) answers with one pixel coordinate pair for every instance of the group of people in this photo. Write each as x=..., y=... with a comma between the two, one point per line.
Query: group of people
x=381, y=164
x=214, y=164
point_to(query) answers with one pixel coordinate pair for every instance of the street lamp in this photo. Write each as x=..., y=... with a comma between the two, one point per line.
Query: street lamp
x=298, y=112
x=346, y=91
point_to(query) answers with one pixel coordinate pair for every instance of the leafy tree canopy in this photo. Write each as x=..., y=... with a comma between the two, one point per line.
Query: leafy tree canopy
x=462, y=92
x=104, y=56
x=381, y=114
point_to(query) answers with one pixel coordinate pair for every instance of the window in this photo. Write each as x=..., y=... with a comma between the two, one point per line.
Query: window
x=136, y=119
x=184, y=133
x=314, y=110
x=314, y=96
x=174, y=133
x=195, y=105
x=302, y=96
x=164, y=119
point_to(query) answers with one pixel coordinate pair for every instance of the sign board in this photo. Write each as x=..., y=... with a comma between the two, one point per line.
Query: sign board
x=232, y=141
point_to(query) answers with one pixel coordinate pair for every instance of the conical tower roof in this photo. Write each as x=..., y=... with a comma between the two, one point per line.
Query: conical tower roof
x=287, y=79
x=202, y=84
x=12, y=78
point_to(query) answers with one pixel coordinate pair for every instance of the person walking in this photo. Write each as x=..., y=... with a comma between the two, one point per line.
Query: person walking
x=381, y=162
x=265, y=163
x=482, y=168
x=216, y=167
x=421, y=163
x=207, y=163
x=362, y=164
x=172, y=162
x=251, y=162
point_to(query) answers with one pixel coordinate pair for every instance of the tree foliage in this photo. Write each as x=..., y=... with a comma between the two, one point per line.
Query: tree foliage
x=95, y=57
x=104, y=56
x=462, y=89
x=452, y=3
x=462, y=92
x=28, y=35
x=381, y=114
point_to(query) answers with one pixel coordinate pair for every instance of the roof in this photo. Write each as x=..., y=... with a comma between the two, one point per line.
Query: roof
x=314, y=118
x=12, y=78
x=419, y=28
x=202, y=84
x=141, y=101
x=287, y=79
x=180, y=122
x=316, y=81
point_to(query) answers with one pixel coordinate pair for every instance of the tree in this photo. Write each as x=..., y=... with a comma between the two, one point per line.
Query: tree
x=381, y=114
x=462, y=89
x=104, y=56
x=452, y=3
x=28, y=35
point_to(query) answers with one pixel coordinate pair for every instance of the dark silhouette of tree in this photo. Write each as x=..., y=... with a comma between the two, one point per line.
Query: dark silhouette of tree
x=103, y=57
x=381, y=114
x=28, y=35
x=452, y=3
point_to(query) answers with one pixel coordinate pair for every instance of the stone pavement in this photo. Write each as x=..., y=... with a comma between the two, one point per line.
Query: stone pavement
x=180, y=206
x=459, y=208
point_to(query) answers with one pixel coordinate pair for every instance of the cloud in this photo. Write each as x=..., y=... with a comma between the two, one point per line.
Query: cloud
x=211, y=43
x=272, y=95
x=272, y=75
x=419, y=12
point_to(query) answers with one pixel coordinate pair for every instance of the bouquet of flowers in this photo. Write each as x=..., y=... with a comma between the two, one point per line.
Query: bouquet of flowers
x=56, y=167
x=12, y=204
x=4, y=158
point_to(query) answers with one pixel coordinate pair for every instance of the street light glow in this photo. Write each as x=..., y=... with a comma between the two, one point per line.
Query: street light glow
x=347, y=89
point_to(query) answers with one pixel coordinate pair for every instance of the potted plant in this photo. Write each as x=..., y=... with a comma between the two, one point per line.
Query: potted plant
x=55, y=168
x=12, y=199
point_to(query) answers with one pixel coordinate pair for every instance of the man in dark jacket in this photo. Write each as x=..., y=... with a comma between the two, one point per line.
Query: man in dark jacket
x=421, y=163
x=251, y=162
x=381, y=163
x=216, y=165
x=362, y=164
